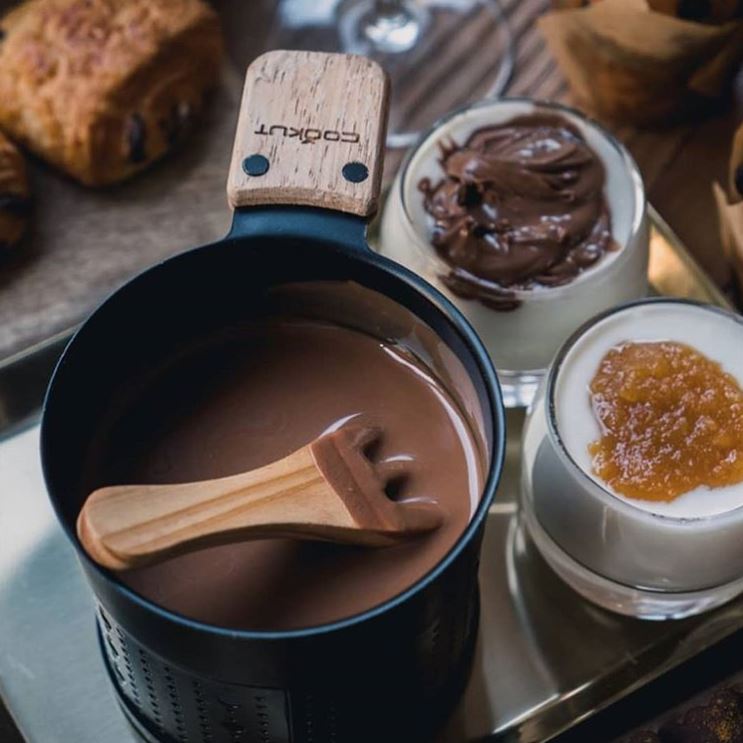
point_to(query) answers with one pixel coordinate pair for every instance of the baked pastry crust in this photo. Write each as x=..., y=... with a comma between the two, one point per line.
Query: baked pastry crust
x=102, y=88
x=14, y=193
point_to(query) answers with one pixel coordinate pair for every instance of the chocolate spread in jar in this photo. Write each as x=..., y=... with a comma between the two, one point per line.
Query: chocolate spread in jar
x=521, y=205
x=255, y=395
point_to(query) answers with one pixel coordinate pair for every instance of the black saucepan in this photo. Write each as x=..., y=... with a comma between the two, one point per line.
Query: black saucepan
x=303, y=182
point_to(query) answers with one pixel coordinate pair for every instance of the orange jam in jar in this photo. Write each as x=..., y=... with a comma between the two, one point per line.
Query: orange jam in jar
x=671, y=421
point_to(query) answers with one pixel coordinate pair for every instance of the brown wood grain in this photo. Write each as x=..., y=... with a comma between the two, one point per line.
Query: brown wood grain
x=309, y=114
x=128, y=526
x=327, y=490
x=85, y=243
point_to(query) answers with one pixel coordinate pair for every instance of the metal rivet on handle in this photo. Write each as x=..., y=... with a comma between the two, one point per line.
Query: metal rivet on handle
x=256, y=165
x=355, y=172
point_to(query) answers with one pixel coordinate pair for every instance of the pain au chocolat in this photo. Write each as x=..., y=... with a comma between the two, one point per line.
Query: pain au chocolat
x=102, y=88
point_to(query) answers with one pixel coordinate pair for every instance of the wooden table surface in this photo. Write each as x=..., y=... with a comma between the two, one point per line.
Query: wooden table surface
x=84, y=243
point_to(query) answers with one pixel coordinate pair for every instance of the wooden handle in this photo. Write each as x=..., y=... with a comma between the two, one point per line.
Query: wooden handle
x=311, y=132
x=328, y=490
x=132, y=525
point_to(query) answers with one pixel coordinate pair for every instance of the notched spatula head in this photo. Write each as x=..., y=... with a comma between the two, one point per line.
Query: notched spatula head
x=362, y=484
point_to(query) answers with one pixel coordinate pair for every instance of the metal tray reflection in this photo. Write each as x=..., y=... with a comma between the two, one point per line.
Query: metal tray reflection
x=545, y=661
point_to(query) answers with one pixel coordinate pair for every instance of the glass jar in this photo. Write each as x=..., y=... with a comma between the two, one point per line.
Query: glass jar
x=523, y=340
x=648, y=559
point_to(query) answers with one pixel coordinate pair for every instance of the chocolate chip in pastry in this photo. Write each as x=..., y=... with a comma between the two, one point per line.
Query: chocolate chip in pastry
x=102, y=88
x=14, y=194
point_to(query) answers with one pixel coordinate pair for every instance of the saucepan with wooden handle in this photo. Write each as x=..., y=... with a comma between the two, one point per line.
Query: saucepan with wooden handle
x=304, y=181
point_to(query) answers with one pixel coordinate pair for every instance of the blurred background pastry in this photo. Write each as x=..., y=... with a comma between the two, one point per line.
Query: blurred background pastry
x=14, y=193
x=704, y=11
x=102, y=88
x=646, y=63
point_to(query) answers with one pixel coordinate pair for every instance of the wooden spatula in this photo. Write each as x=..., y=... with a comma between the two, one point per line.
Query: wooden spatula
x=328, y=490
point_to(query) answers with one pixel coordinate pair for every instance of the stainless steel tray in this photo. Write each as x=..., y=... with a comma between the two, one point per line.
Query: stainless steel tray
x=546, y=659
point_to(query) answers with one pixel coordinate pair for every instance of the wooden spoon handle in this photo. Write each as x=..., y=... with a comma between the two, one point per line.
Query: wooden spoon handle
x=131, y=525
x=327, y=490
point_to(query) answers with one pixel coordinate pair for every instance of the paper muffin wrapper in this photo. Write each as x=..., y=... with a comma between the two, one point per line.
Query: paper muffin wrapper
x=730, y=208
x=731, y=229
x=736, y=166
x=629, y=63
